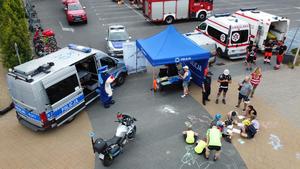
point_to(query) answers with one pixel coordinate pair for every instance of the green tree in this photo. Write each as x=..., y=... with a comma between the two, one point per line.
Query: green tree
x=13, y=29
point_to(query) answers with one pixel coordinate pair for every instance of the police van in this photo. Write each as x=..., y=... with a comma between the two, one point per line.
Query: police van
x=230, y=33
x=51, y=90
x=264, y=26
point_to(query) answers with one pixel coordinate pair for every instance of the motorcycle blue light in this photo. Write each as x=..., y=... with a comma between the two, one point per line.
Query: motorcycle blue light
x=80, y=48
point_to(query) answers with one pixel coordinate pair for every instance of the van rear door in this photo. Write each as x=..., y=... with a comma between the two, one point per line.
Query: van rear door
x=65, y=94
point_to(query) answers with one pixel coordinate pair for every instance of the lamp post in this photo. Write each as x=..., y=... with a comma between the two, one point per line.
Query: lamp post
x=17, y=52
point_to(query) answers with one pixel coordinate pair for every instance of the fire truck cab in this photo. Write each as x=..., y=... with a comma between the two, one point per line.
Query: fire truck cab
x=264, y=26
x=230, y=34
x=169, y=10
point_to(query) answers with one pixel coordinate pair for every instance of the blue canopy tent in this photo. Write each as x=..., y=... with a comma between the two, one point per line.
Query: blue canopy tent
x=169, y=47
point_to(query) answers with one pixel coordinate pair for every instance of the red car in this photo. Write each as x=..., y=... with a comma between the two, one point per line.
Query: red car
x=75, y=13
x=66, y=2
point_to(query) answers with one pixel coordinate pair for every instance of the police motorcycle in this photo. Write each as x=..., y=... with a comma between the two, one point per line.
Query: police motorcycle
x=110, y=149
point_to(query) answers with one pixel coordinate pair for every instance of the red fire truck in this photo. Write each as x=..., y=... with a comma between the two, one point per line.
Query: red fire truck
x=169, y=10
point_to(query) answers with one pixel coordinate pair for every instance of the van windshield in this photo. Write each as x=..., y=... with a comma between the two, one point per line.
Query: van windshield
x=240, y=36
x=62, y=89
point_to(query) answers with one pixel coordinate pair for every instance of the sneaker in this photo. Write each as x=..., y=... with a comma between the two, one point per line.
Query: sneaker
x=207, y=99
x=244, y=109
x=237, y=106
x=182, y=96
x=265, y=62
x=223, y=101
x=217, y=101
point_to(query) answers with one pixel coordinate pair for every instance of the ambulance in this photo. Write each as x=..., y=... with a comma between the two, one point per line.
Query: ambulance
x=264, y=26
x=230, y=34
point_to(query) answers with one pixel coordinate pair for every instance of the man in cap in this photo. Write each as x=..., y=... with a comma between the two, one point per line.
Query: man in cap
x=186, y=77
x=224, y=80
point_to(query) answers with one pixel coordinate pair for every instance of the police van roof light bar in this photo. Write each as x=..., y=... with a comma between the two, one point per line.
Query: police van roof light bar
x=222, y=14
x=80, y=48
x=248, y=9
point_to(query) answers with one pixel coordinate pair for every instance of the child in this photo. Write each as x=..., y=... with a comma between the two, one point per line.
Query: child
x=217, y=119
x=200, y=147
x=190, y=136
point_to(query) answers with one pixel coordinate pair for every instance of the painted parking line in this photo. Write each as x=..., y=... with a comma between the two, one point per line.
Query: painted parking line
x=123, y=23
x=105, y=6
x=65, y=28
x=119, y=17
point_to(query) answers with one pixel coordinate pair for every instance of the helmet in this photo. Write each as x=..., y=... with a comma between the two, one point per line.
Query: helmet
x=246, y=122
x=226, y=72
x=218, y=116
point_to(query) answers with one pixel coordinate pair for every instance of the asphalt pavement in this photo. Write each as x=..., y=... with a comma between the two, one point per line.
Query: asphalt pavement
x=161, y=119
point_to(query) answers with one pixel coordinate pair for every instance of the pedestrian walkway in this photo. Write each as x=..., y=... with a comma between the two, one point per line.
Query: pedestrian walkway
x=69, y=146
x=276, y=145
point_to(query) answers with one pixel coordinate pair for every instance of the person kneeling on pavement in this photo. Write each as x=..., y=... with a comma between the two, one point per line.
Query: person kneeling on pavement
x=190, y=136
x=200, y=147
x=250, y=128
x=214, y=136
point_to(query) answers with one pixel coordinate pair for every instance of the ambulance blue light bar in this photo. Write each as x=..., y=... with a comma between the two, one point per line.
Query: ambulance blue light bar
x=80, y=48
x=248, y=9
x=222, y=14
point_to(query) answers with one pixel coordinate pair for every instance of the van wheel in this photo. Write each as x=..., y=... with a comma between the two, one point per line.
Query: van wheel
x=169, y=20
x=219, y=52
x=121, y=79
x=202, y=16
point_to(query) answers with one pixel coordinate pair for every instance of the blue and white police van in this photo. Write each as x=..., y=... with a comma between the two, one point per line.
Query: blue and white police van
x=49, y=91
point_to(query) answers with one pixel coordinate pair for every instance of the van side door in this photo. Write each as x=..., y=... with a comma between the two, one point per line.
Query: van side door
x=64, y=93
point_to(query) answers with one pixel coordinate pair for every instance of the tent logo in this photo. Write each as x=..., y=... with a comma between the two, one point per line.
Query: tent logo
x=177, y=60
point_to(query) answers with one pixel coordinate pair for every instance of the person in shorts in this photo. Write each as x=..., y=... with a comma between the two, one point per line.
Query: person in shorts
x=186, y=77
x=281, y=51
x=251, y=58
x=214, y=137
x=268, y=51
x=244, y=93
x=224, y=80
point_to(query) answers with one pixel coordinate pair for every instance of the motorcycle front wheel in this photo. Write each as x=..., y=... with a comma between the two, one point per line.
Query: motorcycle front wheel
x=132, y=134
x=107, y=161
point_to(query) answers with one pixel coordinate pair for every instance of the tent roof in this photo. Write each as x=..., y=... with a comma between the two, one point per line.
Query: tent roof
x=169, y=46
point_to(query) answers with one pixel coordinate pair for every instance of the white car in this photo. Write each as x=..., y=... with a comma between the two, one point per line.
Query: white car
x=117, y=35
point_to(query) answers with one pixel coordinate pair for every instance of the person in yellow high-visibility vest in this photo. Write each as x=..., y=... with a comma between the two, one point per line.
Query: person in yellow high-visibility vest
x=190, y=136
x=200, y=147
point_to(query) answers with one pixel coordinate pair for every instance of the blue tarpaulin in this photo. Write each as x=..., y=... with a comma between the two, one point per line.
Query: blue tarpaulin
x=169, y=46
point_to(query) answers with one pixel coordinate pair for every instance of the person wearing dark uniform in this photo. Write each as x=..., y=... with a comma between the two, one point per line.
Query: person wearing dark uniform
x=224, y=80
x=281, y=51
x=251, y=58
x=206, y=86
x=268, y=52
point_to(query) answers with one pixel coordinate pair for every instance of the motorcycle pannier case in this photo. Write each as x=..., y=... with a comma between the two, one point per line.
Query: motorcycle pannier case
x=99, y=145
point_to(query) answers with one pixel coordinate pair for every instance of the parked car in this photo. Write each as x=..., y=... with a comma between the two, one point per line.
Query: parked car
x=204, y=42
x=66, y=2
x=117, y=35
x=75, y=13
